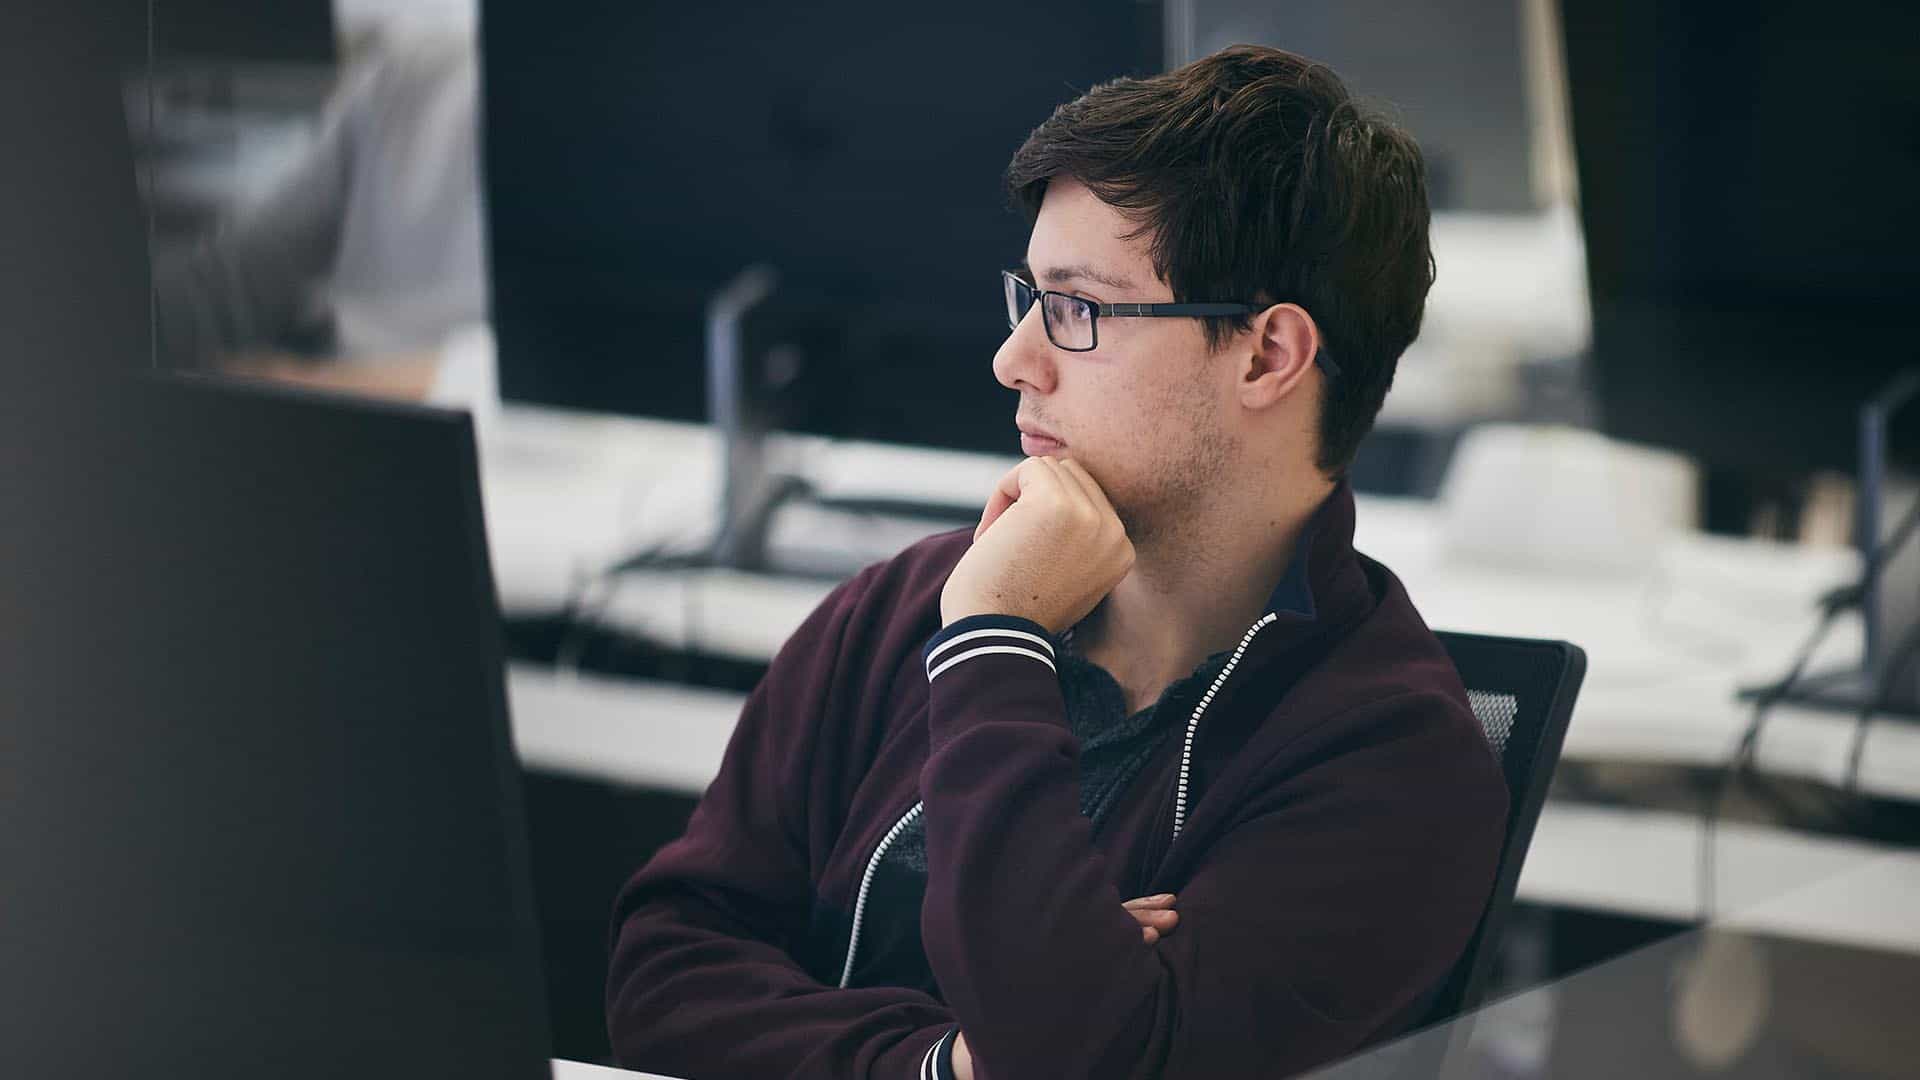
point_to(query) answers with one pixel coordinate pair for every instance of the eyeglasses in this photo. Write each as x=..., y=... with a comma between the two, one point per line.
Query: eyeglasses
x=1073, y=322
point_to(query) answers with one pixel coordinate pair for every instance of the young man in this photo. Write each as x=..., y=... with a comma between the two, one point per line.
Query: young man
x=1156, y=670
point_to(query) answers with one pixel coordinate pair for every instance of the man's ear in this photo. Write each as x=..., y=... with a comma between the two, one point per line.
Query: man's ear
x=1283, y=341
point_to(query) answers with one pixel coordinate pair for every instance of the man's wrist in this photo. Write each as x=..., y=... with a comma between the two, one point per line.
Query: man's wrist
x=947, y=1059
x=950, y=614
x=979, y=636
x=959, y=1058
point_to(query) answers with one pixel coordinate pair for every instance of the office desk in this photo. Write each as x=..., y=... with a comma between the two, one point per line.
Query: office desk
x=567, y=495
x=1644, y=702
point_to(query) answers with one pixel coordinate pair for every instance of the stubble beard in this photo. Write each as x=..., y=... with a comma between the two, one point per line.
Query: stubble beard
x=1169, y=517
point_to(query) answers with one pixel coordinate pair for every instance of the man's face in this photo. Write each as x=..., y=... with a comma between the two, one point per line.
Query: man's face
x=1146, y=412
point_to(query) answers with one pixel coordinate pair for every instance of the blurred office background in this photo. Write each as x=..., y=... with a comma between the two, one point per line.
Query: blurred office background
x=717, y=283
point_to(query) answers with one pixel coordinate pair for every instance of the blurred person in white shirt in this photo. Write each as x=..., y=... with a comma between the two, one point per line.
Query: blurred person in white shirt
x=373, y=234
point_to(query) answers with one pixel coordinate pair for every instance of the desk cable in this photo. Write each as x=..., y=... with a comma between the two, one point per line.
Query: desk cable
x=1746, y=750
x=1882, y=698
x=1897, y=658
x=593, y=594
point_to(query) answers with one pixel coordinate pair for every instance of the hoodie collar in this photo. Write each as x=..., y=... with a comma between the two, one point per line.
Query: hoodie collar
x=1323, y=585
x=1322, y=595
x=1325, y=589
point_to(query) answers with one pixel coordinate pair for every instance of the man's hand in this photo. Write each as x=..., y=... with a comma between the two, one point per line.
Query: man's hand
x=1049, y=548
x=1156, y=917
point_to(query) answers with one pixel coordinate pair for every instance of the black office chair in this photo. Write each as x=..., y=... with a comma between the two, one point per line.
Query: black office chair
x=1522, y=692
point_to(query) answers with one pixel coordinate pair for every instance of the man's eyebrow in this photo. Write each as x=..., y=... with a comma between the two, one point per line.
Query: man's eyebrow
x=1060, y=275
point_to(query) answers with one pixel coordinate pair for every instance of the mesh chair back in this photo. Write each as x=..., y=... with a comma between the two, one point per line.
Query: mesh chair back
x=1522, y=692
x=1497, y=714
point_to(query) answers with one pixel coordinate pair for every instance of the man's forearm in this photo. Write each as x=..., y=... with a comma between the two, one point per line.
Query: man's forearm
x=1033, y=950
x=690, y=995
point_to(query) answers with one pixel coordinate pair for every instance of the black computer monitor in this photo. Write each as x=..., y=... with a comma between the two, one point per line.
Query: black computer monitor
x=1747, y=183
x=74, y=274
x=640, y=155
x=259, y=811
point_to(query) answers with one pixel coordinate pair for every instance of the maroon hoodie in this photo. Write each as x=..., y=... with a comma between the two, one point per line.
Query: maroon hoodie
x=1329, y=814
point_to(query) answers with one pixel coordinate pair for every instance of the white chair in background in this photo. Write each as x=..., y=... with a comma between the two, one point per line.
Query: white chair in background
x=1543, y=498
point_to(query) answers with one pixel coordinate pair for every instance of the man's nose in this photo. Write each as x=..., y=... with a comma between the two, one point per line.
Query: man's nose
x=1025, y=359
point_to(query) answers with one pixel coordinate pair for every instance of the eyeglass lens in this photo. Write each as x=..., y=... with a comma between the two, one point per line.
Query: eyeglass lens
x=1068, y=319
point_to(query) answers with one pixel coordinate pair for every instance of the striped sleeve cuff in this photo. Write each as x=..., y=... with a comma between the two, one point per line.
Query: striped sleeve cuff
x=987, y=635
x=938, y=1064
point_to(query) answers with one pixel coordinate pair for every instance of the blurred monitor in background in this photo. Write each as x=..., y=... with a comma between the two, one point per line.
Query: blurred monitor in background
x=1454, y=72
x=1747, y=181
x=641, y=155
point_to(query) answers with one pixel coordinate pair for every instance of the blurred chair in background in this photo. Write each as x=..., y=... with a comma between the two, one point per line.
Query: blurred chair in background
x=1562, y=500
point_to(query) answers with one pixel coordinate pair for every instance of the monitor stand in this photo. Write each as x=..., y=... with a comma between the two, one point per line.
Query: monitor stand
x=753, y=492
x=748, y=494
x=1887, y=680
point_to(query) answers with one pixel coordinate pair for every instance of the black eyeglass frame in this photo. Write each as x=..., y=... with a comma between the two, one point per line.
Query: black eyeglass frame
x=1095, y=309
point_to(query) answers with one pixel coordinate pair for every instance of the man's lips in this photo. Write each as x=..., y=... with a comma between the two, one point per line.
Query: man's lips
x=1035, y=442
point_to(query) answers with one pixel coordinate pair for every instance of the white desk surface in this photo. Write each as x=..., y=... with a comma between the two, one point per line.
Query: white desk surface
x=575, y=1070
x=628, y=732
x=1667, y=649
x=1829, y=889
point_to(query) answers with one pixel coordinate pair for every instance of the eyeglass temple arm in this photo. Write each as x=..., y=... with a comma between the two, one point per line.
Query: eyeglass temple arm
x=1320, y=357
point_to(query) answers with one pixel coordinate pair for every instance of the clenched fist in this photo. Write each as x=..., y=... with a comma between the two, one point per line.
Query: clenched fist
x=1049, y=548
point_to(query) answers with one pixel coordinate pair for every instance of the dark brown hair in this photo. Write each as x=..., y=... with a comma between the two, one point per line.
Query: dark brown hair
x=1258, y=178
